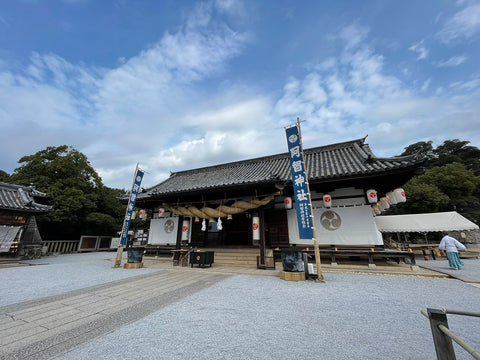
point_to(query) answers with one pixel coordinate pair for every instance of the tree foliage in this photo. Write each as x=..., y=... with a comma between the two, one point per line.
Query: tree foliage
x=451, y=181
x=422, y=149
x=83, y=205
x=4, y=176
x=424, y=198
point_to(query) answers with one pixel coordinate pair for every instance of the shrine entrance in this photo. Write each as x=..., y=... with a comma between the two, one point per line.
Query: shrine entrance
x=235, y=232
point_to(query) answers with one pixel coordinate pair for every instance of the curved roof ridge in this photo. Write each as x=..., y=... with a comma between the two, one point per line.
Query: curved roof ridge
x=272, y=157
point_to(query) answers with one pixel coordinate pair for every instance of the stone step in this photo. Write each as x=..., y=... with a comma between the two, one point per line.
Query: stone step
x=236, y=262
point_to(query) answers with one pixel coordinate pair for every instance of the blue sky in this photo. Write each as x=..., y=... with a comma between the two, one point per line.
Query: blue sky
x=176, y=85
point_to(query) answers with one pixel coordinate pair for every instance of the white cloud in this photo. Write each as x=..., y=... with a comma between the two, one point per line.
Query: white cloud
x=420, y=49
x=453, y=61
x=362, y=97
x=465, y=24
x=353, y=35
x=166, y=109
x=117, y=116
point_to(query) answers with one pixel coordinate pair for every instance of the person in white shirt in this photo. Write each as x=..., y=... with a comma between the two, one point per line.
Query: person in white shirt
x=451, y=246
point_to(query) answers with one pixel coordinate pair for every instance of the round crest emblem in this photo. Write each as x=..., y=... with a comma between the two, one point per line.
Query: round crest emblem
x=293, y=138
x=169, y=225
x=330, y=220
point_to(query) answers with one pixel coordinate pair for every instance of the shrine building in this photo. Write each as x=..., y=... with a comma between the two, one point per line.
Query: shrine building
x=251, y=203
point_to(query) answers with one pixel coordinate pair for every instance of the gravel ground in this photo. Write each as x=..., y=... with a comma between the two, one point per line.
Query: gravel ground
x=58, y=274
x=349, y=316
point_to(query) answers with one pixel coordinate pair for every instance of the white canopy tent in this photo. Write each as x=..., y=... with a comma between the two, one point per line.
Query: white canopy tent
x=442, y=221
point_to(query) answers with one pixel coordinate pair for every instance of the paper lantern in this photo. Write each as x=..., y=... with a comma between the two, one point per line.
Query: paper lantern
x=185, y=230
x=384, y=203
x=380, y=206
x=288, y=202
x=391, y=198
x=256, y=227
x=372, y=196
x=399, y=195
x=327, y=200
x=161, y=211
x=376, y=210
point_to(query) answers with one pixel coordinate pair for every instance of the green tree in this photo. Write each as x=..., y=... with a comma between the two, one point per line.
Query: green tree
x=422, y=149
x=4, y=176
x=458, y=151
x=443, y=188
x=453, y=179
x=75, y=191
x=423, y=197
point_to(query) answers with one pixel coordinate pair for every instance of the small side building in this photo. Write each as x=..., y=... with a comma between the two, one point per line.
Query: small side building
x=19, y=235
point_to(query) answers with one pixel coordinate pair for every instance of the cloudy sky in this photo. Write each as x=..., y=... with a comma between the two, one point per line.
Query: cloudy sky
x=176, y=85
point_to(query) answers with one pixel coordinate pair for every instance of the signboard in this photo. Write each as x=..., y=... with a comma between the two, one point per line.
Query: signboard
x=131, y=205
x=300, y=184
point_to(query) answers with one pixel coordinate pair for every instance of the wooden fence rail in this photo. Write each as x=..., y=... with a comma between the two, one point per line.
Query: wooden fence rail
x=60, y=246
x=443, y=336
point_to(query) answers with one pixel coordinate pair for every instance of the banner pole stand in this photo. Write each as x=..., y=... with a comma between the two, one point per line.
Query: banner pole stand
x=118, y=260
x=137, y=179
x=317, y=261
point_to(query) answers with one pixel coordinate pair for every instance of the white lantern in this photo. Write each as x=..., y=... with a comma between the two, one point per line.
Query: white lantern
x=380, y=206
x=376, y=210
x=327, y=201
x=161, y=211
x=372, y=196
x=256, y=227
x=185, y=230
x=288, y=202
x=384, y=203
x=399, y=195
x=391, y=198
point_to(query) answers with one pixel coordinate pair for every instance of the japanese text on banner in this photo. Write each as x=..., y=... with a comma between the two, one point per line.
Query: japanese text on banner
x=131, y=205
x=300, y=184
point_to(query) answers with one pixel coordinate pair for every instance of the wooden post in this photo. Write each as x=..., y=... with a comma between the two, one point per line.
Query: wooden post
x=317, y=261
x=261, y=214
x=305, y=264
x=443, y=343
x=118, y=260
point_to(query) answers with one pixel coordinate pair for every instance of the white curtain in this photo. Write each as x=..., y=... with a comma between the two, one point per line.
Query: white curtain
x=338, y=226
x=163, y=231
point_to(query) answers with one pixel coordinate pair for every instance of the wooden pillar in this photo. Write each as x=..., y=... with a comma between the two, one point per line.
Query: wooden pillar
x=261, y=214
x=179, y=233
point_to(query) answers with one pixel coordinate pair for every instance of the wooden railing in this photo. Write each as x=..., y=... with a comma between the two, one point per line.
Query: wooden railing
x=443, y=336
x=60, y=246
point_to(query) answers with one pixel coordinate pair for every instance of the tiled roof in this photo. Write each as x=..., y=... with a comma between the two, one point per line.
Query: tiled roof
x=21, y=198
x=336, y=161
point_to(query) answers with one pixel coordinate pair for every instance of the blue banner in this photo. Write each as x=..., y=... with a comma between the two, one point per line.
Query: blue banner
x=131, y=205
x=300, y=184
